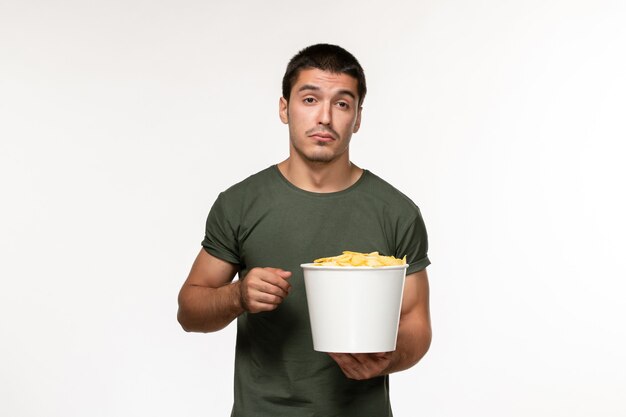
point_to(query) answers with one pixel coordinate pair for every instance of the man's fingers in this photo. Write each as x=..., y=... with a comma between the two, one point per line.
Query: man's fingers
x=267, y=287
x=257, y=307
x=274, y=296
x=348, y=364
x=281, y=272
x=345, y=360
x=362, y=365
x=277, y=277
x=264, y=289
x=368, y=358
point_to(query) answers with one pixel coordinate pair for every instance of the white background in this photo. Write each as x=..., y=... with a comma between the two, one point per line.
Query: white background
x=120, y=121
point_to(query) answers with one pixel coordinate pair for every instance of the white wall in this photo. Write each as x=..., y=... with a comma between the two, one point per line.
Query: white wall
x=120, y=121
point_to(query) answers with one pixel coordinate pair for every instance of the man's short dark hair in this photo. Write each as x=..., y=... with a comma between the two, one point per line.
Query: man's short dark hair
x=331, y=58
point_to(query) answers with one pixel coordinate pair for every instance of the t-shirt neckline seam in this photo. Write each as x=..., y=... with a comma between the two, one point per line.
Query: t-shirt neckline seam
x=314, y=194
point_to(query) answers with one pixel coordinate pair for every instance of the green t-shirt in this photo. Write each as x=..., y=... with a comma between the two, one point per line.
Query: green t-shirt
x=265, y=221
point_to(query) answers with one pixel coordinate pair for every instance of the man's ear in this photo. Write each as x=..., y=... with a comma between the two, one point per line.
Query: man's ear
x=357, y=124
x=283, y=110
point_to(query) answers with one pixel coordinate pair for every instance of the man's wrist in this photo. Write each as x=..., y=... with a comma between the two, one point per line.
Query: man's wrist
x=239, y=302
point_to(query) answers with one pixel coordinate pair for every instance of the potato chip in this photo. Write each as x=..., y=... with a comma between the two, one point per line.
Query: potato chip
x=349, y=258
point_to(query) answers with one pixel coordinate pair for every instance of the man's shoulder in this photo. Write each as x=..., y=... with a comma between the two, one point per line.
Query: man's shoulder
x=254, y=182
x=386, y=192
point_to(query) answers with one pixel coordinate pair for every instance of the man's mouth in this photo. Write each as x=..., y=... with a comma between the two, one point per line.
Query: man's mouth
x=322, y=138
x=322, y=135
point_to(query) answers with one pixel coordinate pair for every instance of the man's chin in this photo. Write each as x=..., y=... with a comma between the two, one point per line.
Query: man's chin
x=321, y=159
x=321, y=154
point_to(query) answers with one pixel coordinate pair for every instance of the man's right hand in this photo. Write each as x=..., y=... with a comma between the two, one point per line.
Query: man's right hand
x=263, y=289
x=209, y=300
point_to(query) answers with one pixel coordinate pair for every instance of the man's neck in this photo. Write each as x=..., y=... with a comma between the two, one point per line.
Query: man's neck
x=320, y=177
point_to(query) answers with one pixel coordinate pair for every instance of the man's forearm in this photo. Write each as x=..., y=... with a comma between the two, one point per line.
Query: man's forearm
x=205, y=309
x=412, y=344
x=413, y=341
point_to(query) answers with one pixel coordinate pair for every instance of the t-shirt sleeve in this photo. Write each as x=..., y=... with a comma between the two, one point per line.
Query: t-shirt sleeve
x=413, y=242
x=220, y=238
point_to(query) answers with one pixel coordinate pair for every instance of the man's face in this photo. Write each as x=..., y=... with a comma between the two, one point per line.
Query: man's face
x=323, y=112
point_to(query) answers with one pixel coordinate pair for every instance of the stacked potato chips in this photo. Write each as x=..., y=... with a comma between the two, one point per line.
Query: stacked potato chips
x=348, y=258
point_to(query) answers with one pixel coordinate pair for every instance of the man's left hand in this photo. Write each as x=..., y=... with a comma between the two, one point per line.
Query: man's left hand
x=362, y=365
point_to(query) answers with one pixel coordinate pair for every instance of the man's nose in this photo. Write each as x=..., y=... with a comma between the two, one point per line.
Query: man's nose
x=325, y=116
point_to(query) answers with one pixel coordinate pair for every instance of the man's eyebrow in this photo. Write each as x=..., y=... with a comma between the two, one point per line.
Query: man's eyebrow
x=308, y=87
x=312, y=87
x=347, y=93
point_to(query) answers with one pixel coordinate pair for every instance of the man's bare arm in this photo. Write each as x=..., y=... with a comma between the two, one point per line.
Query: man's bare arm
x=414, y=336
x=414, y=332
x=209, y=300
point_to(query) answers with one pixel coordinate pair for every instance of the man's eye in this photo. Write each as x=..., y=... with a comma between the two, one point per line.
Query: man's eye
x=343, y=104
x=309, y=100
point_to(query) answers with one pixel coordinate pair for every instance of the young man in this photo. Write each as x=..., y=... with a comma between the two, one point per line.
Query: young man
x=315, y=203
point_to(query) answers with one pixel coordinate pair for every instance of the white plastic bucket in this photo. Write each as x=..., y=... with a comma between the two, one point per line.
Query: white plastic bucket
x=354, y=309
